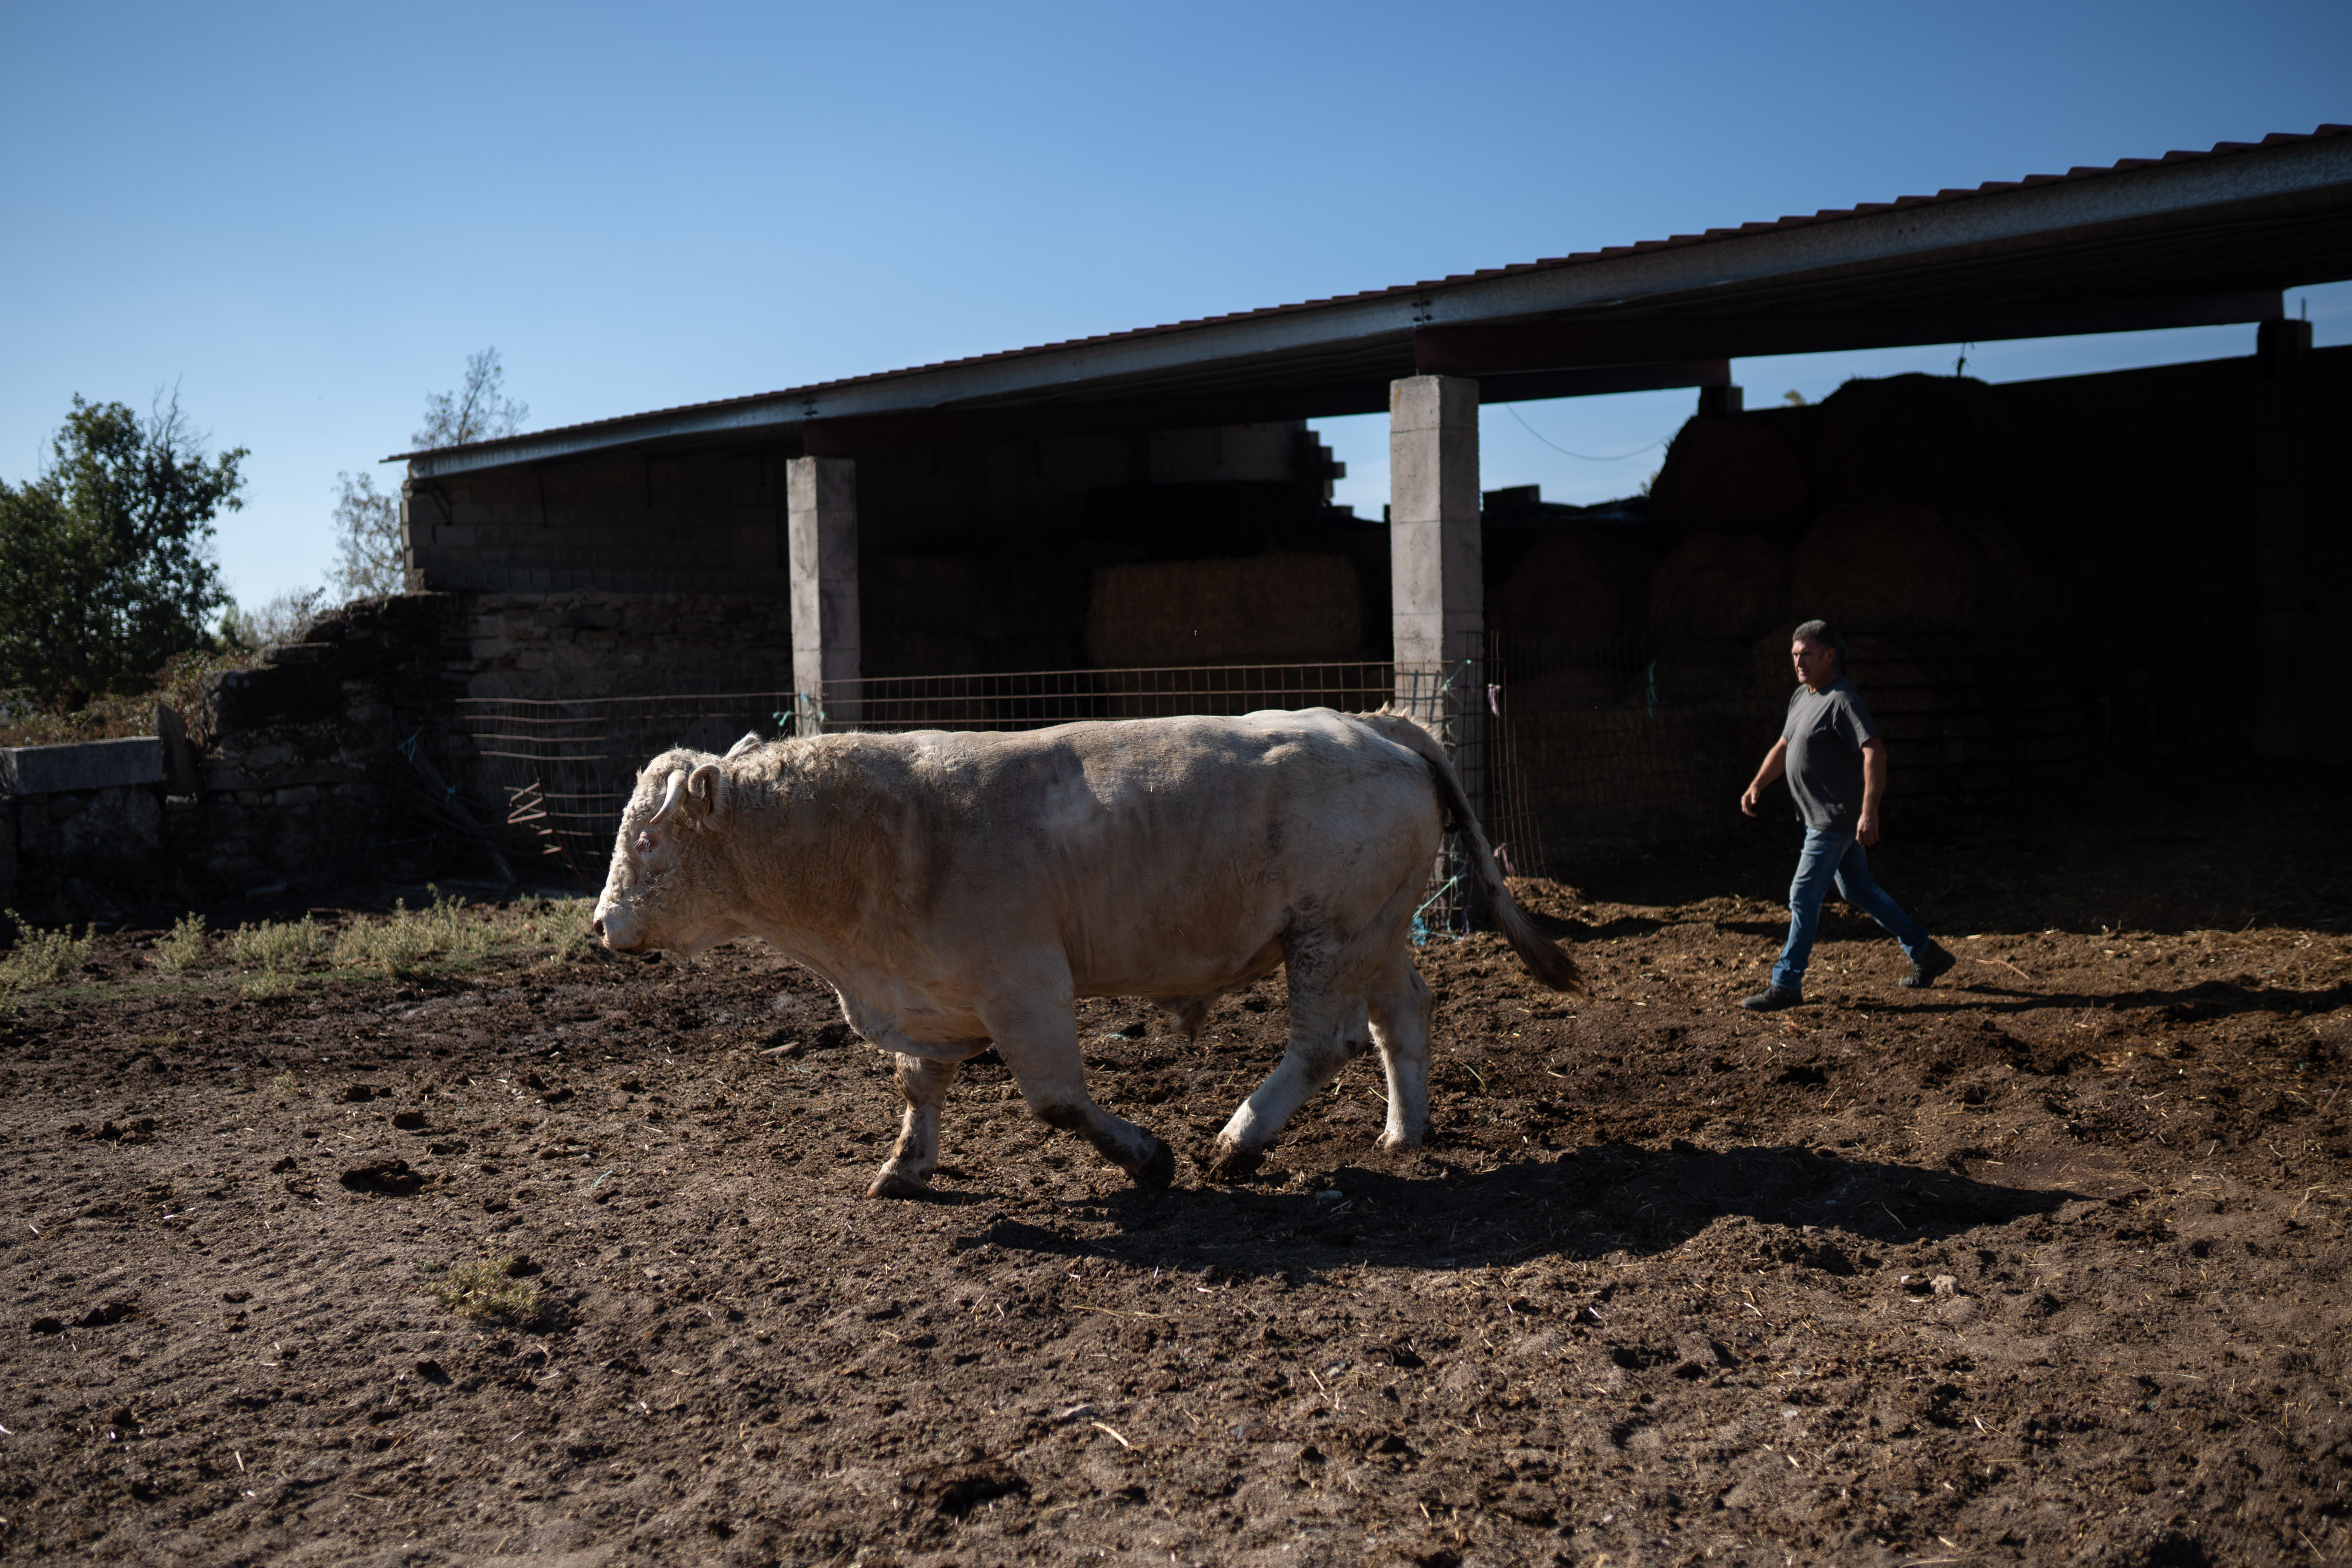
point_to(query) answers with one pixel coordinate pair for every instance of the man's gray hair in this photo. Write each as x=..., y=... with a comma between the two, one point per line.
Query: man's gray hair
x=1823, y=634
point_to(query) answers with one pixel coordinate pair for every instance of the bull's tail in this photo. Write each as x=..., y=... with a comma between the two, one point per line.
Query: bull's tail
x=1547, y=961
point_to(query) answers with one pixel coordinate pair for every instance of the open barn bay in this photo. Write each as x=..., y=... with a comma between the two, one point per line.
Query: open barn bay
x=2049, y=1262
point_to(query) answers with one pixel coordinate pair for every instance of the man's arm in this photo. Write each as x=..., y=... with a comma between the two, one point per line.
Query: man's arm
x=1775, y=762
x=1874, y=785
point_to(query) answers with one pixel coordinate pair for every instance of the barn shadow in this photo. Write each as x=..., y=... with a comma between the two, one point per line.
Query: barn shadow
x=1612, y=1199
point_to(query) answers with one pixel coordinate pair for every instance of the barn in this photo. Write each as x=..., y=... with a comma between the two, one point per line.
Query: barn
x=2043, y=577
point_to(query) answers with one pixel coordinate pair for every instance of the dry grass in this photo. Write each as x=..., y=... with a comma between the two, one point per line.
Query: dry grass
x=276, y=946
x=485, y=1289
x=268, y=983
x=41, y=958
x=445, y=929
x=183, y=949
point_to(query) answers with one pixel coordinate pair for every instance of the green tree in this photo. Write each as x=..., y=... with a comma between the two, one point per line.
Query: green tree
x=106, y=558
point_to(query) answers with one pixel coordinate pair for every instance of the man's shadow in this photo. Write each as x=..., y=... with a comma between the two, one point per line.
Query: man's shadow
x=1588, y=1203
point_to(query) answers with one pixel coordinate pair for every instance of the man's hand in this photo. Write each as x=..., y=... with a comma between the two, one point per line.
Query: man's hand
x=1874, y=788
x=1748, y=803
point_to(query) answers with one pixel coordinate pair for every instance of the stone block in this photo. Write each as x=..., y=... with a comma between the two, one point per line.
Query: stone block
x=84, y=765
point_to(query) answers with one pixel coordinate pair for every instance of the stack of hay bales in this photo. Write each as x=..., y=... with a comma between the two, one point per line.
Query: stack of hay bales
x=1734, y=493
x=1275, y=608
x=1576, y=600
x=1916, y=473
x=1728, y=476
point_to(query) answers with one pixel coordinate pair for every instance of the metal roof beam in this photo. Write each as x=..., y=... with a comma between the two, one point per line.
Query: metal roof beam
x=1483, y=350
x=1029, y=422
x=2084, y=234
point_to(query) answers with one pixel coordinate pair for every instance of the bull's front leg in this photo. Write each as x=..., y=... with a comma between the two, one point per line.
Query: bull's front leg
x=916, y=1156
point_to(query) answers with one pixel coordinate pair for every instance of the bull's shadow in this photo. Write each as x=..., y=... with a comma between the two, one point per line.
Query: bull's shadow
x=1586, y=1204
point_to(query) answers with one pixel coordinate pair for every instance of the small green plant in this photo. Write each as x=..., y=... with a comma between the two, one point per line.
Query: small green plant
x=484, y=1289
x=183, y=949
x=42, y=958
x=270, y=982
x=562, y=924
x=285, y=1085
x=444, y=928
x=277, y=946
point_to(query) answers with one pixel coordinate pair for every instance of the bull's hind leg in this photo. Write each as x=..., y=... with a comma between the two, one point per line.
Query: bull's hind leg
x=1039, y=1042
x=1328, y=1029
x=1400, y=1015
x=924, y=1084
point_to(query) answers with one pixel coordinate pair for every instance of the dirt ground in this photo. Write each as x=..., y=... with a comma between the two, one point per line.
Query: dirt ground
x=2046, y=1264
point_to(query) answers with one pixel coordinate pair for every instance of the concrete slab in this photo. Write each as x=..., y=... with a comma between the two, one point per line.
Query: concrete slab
x=84, y=765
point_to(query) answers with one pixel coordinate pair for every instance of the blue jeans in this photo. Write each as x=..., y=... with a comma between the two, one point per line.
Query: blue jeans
x=1831, y=854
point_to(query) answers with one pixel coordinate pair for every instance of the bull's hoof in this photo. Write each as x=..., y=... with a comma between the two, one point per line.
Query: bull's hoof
x=895, y=1184
x=1231, y=1162
x=1160, y=1170
x=1397, y=1143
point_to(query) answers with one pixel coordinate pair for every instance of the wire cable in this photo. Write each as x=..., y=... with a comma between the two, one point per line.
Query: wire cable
x=1581, y=456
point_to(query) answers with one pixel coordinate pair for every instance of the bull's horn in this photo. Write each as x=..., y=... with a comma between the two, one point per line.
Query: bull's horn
x=751, y=742
x=676, y=788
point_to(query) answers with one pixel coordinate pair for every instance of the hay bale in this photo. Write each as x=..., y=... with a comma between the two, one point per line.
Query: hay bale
x=1914, y=436
x=1581, y=593
x=1730, y=477
x=1885, y=567
x=1718, y=587
x=2012, y=588
x=1267, y=609
x=1572, y=689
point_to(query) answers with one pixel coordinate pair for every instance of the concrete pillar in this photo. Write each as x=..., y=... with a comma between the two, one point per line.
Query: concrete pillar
x=820, y=553
x=1437, y=595
x=2283, y=598
x=1720, y=403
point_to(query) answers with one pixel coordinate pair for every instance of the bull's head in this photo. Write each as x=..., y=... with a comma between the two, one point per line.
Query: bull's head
x=670, y=885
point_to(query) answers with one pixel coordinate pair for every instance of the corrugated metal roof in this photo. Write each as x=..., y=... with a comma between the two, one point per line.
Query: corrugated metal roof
x=712, y=416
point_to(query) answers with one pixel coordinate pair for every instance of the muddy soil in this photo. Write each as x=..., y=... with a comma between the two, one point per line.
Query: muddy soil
x=2046, y=1264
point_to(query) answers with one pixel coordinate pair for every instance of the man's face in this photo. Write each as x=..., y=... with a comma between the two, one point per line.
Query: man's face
x=1816, y=663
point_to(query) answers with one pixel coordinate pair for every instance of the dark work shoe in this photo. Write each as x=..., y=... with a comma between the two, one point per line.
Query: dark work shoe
x=1772, y=998
x=1926, y=971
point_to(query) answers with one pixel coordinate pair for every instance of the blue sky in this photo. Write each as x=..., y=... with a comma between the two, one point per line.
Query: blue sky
x=306, y=218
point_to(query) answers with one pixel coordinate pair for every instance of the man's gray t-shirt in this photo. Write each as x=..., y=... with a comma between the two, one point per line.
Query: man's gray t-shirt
x=1826, y=731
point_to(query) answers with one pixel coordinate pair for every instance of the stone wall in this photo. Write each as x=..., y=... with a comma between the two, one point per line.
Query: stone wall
x=79, y=822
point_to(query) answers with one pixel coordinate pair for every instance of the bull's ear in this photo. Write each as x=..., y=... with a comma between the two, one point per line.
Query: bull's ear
x=702, y=788
x=751, y=742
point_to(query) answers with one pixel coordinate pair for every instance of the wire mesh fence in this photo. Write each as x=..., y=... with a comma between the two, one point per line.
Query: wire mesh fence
x=561, y=771
x=1599, y=752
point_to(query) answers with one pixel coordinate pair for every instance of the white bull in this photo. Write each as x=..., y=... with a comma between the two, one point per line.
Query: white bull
x=962, y=889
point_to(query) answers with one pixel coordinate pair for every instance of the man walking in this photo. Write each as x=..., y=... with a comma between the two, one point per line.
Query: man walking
x=1830, y=752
